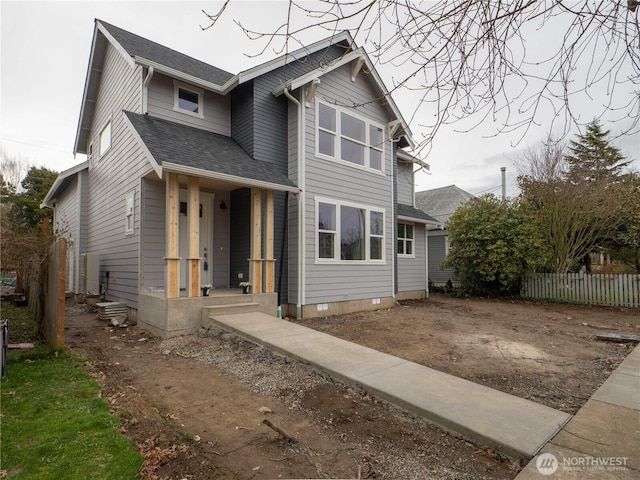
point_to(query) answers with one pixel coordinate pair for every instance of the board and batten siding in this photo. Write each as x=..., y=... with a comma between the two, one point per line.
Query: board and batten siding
x=112, y=177
x=216, y=108
x=438, y=275
x=405, y=183
x=412, y=270
x=344, y=281
x=242, y=116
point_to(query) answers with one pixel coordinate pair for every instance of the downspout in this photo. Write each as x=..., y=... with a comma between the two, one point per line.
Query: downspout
x=426, y=261
x=145, y=91
x=394, y=220
x=301, y=202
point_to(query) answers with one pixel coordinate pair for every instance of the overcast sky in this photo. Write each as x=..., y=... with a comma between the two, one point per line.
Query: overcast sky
x=45, y=49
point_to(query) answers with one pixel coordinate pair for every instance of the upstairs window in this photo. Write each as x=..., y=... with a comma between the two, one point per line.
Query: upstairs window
x=343, y=136
x=405, y=239
x=105, y=138
x=188, y=99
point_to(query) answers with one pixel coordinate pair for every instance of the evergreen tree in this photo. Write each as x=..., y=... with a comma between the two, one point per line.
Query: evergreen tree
x=592, y=158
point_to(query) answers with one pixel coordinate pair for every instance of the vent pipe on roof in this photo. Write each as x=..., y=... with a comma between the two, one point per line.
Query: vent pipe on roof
x=504, y=182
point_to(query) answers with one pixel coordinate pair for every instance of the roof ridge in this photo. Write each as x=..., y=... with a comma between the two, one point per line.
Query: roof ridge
x=110, y=26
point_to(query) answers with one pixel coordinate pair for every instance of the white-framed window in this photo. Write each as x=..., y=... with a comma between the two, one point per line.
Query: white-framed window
x=345, y=136
x=348, y=232
x=130, y=213
x=405, y=239
x=188, y=99
x=105, y=138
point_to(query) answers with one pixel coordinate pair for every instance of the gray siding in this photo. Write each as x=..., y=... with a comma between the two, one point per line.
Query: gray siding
x=216, y=107
x=340, y=181
x=153, y=234
x=67, y=226
x=405, y=183
x=112, y=177
x=412, y=271
x=438, y=275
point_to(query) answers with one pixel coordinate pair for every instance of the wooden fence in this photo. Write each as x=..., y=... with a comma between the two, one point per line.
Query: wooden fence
x=592, y=289
x=53, y=321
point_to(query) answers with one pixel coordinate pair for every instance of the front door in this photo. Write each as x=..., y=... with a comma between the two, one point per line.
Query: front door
x=206, y=238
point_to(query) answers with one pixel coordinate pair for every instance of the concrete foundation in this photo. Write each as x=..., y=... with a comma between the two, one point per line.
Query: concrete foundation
x=411, y=295
x=183, y=316
x=340, y=308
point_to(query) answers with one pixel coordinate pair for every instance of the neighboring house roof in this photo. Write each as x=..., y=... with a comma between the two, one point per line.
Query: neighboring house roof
x=61, y=180
x=183, y=149
x=442, y=202
x=407, y=212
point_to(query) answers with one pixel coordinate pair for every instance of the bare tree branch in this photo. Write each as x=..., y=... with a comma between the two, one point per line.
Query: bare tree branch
x=492, y=61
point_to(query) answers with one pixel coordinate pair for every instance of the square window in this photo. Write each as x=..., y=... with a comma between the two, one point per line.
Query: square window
x=326, y=143
x=351, y=151
x=187, y=100
x=352, y=127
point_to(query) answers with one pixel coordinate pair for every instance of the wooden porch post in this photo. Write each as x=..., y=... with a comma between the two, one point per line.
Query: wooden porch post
x=255, y=262
x=268, y=248
x=193, y=214
x=172, y=260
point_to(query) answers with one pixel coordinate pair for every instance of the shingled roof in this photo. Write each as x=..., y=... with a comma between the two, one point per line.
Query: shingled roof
x=407, y=211
x=441, y=202
x=173, y=144
x=137, y=46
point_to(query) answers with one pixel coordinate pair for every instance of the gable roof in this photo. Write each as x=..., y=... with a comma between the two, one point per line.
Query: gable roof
x=183, y=149
x=61, y=181
x=442, y=202
x=361, y=59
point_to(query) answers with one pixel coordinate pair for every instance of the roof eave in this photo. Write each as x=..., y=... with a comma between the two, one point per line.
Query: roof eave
x=417, y=220
x=177, y=168
x=198, y=82
x=49, y=198
x=283, y=60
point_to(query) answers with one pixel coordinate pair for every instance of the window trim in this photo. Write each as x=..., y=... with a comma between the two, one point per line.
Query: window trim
x=177, y=86
x=102, y=151
x=338, y=136
x=336, y=244
x=130, y=213
x=404, y=240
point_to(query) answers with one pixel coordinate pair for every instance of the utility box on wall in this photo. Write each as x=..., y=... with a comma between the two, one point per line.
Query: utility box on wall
x=90, y=273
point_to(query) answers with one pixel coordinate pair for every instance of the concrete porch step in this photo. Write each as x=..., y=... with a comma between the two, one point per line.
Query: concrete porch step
x=229, y=308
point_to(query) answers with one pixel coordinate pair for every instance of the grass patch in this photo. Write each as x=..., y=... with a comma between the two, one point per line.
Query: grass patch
x=55, y=425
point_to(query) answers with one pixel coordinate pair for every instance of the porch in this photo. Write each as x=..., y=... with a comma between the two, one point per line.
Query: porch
x=170, y=317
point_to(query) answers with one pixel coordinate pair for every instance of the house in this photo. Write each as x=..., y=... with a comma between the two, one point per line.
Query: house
x=440, y=203
x=284, y=175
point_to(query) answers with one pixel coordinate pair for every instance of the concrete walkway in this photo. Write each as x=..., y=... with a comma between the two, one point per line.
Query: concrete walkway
x=516, y=426
x=602, y=441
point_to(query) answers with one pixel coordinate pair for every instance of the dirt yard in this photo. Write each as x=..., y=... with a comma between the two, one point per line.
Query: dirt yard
x=195, y=405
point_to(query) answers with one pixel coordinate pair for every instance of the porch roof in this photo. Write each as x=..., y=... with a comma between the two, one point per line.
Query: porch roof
x=183, y=149
x=407, y=212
